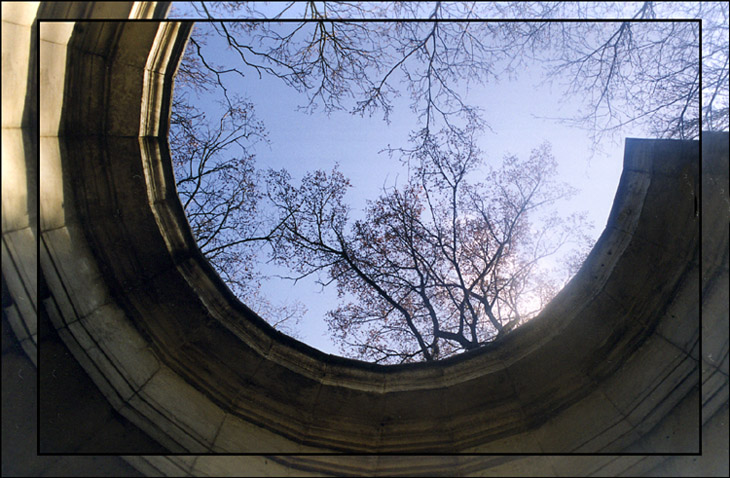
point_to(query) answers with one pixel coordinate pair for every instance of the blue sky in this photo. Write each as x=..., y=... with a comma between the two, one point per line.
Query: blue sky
x=303, y=142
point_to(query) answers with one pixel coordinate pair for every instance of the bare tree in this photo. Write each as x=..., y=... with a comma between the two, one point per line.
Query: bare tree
x=217, y=186
x=439, y=265
x=631, y=71
x=628, y=73
x=217, y=182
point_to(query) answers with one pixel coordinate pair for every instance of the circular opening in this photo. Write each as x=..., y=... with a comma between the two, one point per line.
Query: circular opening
x=425, y=230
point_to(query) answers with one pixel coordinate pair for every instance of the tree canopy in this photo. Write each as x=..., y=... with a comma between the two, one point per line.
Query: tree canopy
x=642, y=67
x=438, y=265
x=449, y=260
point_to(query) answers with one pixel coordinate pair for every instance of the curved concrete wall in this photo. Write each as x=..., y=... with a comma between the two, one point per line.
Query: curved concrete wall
x=617, y=363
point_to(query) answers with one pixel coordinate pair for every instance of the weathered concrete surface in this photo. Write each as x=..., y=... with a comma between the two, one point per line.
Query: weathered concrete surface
x=612, y=365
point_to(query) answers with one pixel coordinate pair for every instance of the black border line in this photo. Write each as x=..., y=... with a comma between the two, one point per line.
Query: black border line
x=370, y=20
x=37, y=24
x=344, y=454
x=699, y=234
